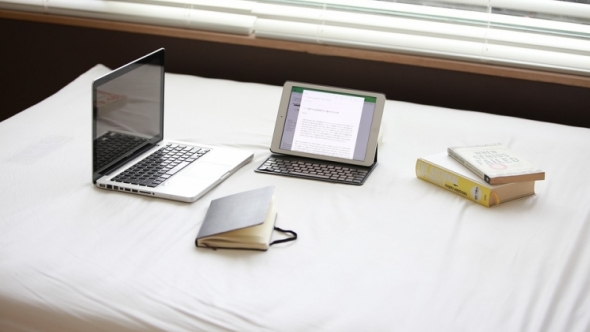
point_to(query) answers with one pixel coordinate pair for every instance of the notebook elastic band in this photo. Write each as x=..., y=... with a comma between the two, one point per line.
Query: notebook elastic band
x=293, y=236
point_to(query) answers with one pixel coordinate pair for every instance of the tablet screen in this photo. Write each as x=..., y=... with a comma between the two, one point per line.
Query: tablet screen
x=328, y=123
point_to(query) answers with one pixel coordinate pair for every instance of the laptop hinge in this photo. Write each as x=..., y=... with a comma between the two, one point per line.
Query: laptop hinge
x=127, y=159
x=376, y=151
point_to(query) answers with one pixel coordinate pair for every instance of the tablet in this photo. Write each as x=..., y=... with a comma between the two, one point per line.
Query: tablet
x=328, y=123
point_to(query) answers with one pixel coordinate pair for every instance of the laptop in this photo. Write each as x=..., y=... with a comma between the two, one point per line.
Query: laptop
x=325, y=133
x=129, y=151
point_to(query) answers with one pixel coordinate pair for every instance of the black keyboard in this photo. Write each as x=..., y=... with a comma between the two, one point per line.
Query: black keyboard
x=313, y=169
x=110, y=146
x=160, y=165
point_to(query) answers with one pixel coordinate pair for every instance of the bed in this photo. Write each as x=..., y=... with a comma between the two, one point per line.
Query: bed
x=396, y=254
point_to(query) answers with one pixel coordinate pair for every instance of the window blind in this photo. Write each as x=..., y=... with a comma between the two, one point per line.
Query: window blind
x=542, y=34
x=225, y=16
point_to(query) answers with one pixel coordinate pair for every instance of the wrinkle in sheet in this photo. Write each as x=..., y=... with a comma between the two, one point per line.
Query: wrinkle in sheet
x=565, y=277
x=213, y=312
x=478, y=263
x=190, y=317
x=70, y=294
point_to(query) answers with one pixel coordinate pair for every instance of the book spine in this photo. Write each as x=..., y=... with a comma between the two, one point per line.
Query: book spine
x=468, y=165
x=454, y=182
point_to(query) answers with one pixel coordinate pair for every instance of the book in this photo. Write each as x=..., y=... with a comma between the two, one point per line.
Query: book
x=241, y=221
x=447, y=173
x=496, y=164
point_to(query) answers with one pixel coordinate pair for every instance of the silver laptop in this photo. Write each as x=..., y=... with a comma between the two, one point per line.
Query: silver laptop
x=129, y=151
x=325, y=133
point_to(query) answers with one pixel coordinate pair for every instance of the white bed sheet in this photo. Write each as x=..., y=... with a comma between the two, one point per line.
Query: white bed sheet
x=397, y=254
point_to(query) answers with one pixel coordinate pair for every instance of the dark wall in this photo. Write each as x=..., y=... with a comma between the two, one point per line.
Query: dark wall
x=38, y=59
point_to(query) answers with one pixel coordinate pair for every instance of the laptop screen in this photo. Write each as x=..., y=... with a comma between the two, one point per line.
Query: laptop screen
x=128, y=112
x=328, y=123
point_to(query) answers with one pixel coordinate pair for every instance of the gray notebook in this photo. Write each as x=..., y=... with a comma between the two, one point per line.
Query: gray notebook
x=243, y=221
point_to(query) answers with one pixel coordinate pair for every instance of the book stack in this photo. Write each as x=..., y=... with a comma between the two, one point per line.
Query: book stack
x=486, y=174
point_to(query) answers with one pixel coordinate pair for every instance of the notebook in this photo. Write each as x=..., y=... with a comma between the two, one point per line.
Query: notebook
x=325, y=133
x=129, y=151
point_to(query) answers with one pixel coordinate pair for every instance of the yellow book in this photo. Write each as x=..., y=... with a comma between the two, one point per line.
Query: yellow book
x=447, y=173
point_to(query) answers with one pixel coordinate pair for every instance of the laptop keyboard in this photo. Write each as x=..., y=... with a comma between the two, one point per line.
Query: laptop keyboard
x=326, y=171
x=160, y=165
x=111, y=146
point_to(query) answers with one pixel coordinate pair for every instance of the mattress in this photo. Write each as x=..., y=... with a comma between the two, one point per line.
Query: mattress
x=396, y=254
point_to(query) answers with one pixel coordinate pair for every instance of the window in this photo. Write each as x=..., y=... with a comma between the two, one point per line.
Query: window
x=551, y=35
